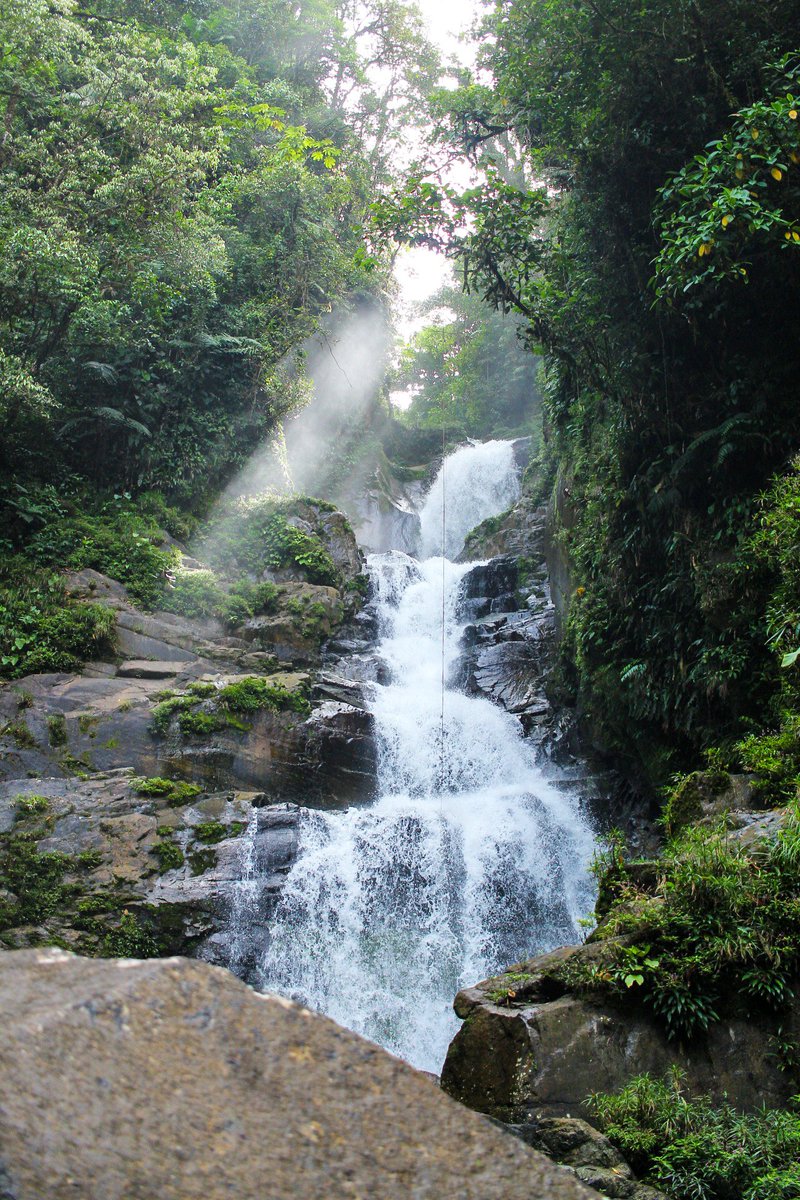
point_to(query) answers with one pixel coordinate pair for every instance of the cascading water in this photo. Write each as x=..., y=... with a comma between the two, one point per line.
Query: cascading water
x=469, y=860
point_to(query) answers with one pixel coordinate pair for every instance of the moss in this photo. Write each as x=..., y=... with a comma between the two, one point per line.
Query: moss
x=202, y=860
x=87, y=860
x=79, y=765
x=88, y=725
x=36, y=880
x=57, y=729
x=174, y=792
x=20, y=734
x=210, y=832
x=254, y=693
x=129, y=940
x=28, y=805
x=201, y=724
x=169, y=856
x=163, y=713
x=685, y=799
x=24, y=700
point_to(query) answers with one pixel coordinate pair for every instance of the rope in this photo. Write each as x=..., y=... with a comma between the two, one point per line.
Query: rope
x=441, y=711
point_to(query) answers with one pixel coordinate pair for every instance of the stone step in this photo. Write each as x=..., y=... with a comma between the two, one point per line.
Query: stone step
x=141, y=668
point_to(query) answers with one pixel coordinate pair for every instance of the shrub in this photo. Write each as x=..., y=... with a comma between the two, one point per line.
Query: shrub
x=717, y=931
x=114, y=541
x=41, y=630
x=194, y=594
x=696, y=1151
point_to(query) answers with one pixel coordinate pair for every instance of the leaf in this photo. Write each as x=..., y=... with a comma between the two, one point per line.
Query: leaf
x=790, y=659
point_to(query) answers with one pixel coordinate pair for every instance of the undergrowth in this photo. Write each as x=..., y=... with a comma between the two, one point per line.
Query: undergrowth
x=715, y=928
x=696, y=1151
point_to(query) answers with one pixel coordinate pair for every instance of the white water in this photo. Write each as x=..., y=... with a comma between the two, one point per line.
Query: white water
x=468, y=861
x=475, y=482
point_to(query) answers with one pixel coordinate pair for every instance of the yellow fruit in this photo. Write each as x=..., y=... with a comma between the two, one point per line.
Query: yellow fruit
x=788, y=236
x=792, y=114
x=777, y=173
x=795, y=236
x=754, y=134
x=726, y=220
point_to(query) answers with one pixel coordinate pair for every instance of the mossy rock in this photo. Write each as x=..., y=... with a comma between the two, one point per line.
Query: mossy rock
x=687, y=800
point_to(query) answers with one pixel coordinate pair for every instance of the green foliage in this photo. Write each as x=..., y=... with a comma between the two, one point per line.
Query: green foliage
x=736, y=202
x=115, y=541
x=40, y=630
x=694, y=1150
x=469, y=374
x=210, y=832
x=254, y=693
x=169, y=856
x=201, y=724
x=129, y=939
x=684, y=802
x=29, y=805
x=36, y=880
x=665, y=421
x=203, y=594
x=715, y=927
x=265, y=533
x=173, y=792
x=182, y=198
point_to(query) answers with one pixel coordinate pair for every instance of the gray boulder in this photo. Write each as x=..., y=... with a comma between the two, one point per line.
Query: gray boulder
x=127, y=1080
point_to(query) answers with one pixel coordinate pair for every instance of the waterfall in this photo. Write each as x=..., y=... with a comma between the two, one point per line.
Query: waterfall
x=475, y=482
x=469, y=860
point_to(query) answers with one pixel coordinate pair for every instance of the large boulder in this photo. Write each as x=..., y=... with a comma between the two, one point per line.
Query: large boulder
x=126, y=1080
x=528, y=1047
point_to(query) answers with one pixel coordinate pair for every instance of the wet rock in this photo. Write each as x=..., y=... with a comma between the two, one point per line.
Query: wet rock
x=190, y=1086
x=488, y=587
x=329, y=686
x=136, y=668
x=115, y=868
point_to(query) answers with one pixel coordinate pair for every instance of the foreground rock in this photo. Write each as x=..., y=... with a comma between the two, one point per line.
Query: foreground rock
x=128, y=1079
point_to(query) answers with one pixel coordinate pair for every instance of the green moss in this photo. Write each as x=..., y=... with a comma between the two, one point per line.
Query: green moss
x=129, y=940
x=88, y=725
x=200, y=724
x=57, y=729
x=685, y=799
x=255, y=693
x=169, y=856
x=174, y=792
x=167, y=709
x=79, y=765
x=255, y=534
x=20, y=734
x=202, y=860
x=210, y=832
x=37, y=880
x=28, y=805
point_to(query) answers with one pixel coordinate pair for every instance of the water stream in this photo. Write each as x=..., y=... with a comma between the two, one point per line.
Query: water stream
x=470, y=859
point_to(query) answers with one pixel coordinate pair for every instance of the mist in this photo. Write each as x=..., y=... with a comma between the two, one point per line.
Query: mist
x=344, y=364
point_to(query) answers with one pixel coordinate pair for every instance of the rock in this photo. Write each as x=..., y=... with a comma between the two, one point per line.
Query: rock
x=488, y=587
x=189, y=1086
x=542, y=1053
x=330, y=686
x=138, y=668
x=110, y=833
